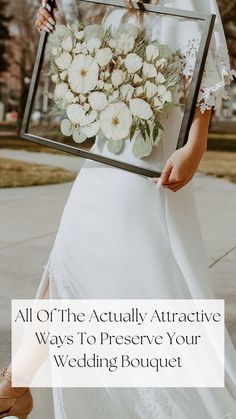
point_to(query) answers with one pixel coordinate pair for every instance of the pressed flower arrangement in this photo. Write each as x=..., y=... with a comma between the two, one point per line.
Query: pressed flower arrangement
x=115, y=86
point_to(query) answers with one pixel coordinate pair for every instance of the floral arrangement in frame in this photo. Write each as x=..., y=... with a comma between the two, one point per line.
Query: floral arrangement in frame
x=98, y=83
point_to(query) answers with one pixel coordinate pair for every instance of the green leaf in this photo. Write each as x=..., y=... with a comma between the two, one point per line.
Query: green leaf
x=147, y=128
x=156, y=135
x=159, y=124
x=78, y=135
x=155, y=132
x=141, y=148
x=164, y=51
x=115, y=146
x=143, y=131
x=132, y=131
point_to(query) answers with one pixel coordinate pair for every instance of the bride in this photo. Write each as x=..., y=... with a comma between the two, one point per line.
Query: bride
x=124, y=236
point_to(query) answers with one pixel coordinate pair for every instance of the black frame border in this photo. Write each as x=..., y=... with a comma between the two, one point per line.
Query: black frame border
x=208, y=19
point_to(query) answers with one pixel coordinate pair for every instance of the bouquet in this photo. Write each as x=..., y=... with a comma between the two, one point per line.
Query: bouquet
x=115, y=86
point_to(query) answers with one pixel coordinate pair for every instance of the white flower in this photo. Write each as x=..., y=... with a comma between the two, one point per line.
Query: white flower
x=133, y=63
x=80, y=48
x=86, y=106
x=161, y=89
x=167, y=97
x=160, y=78
x=161, y=63
x=108, y=87
x=126, y=91
x=55, y=78
x=93, y=45
x=69, y=97
x=157, y=103
x=124, y=44
x=139, y=91
x=119, y=61
x=92, y=116
x=149, y=70
x=116, y=121
x=79, y=35
x=117, y=77
x=100, y=84
x=137, y=80
x=63, y=61
x=152, y=52
x=63, y=74
x=103, y=56
x=66, y=127
x=150, y=89
x=60, y=90
x=83, y=74
x=76, y=114
x=107, y=74
x=164, y=94
x=55, y=51
x=115, y=95
x=140, y=108
x=67, y=44
x=82, y=98
x=112, y=43
x=92, y=129
x=97, y=100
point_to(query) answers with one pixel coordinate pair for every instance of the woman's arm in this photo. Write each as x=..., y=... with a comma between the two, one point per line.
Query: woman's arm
x=183, y=163
x=45, y=21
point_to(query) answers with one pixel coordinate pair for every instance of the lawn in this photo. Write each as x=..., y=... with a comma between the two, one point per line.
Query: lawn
x=15, y=173
x=220, y=164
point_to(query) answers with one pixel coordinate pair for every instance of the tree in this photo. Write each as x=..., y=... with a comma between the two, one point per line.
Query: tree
x=4, y=36
x=228, y=15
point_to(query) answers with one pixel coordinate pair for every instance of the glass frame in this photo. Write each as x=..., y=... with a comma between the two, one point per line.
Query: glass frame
x=208, y=21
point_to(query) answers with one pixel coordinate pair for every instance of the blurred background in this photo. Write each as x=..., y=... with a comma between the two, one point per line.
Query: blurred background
x=18, y=46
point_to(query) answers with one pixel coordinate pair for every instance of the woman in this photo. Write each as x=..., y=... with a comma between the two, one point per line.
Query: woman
x=122, y=237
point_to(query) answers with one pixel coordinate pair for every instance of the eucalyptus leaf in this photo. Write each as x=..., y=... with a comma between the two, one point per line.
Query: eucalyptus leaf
x=147, y=127
x=157, y=137
x=78, y=135
x=142, y=148
x=164, y=51
x=66, y=127
x=143, y=131
x=114, y=146
x=132, y=131
x=155, y=132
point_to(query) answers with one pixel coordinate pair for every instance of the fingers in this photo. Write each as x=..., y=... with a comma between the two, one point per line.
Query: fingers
x=166, y=172
x=44, y=20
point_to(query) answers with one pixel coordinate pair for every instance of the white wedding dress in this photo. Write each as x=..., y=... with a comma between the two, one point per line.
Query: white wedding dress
x=121, y=237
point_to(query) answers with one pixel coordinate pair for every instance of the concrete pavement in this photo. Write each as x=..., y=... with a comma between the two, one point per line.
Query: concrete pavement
x=29, y=218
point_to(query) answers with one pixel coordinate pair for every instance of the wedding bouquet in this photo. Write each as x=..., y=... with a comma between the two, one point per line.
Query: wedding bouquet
x=117, y=86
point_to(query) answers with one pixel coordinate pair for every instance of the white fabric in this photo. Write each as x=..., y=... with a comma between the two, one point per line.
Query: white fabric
x=217, y=74
x=122, y=237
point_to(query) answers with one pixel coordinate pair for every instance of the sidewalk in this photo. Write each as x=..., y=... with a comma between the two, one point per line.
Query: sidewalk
x=29, y=218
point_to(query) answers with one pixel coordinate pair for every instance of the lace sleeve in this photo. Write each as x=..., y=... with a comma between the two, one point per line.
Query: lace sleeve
x=217, y=74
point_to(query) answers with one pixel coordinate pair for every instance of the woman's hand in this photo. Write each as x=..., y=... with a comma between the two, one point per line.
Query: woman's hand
x=183, y=163
x=181, y=167
x=45, y=21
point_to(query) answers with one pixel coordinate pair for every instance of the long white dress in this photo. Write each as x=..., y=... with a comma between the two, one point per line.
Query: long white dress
x=121, y=237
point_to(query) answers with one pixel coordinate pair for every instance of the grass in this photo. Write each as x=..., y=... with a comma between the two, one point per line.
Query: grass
x=15, y=143
x=221, y=164
x=15, y=173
